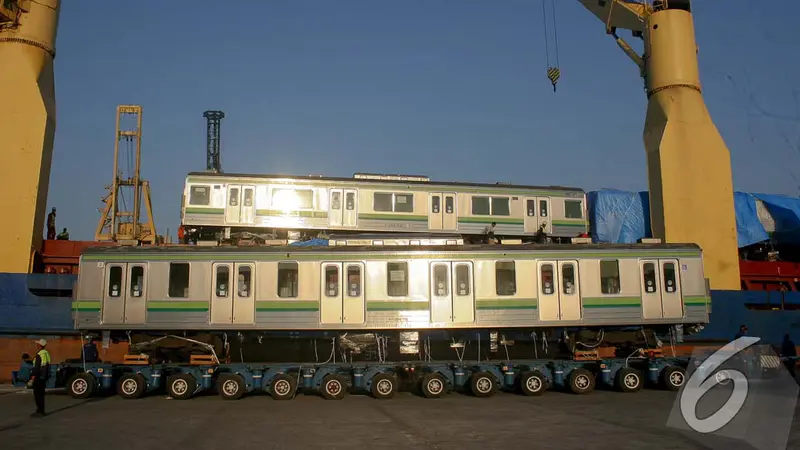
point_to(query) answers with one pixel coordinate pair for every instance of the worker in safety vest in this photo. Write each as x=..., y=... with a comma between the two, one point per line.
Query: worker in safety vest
x=39, y=376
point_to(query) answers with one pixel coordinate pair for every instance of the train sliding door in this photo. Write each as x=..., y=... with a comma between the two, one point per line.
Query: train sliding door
x=442, y=211
x=233, y=300
x=452, y=296
x=240, y=207
x=342, y=303
x=124, y=299
x=343, y=208
x=537, y=212
x=661, y=289
x=559, y=291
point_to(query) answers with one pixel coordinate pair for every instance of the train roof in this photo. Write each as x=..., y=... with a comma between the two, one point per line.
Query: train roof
x=379, y=181
x=472, y=248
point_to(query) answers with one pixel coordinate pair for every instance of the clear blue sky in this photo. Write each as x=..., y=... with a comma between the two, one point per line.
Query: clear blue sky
x=455, y=90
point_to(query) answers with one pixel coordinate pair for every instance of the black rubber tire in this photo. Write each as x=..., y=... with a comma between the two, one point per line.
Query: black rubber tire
x=128, y=381
x=181, y=386
x=673, y=378
x=334, y=387
x=231, y=386
x=629, y=380
x=433, y=385
x=483, y=384
x=532, y=383
x=82, y=385
x=283, y=386
x=581, y=381
x=384, y=386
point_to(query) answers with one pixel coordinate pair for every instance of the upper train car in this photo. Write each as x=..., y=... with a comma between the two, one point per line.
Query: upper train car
x=218, y=207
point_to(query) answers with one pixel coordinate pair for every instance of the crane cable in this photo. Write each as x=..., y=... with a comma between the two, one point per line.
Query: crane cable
x=553, y=71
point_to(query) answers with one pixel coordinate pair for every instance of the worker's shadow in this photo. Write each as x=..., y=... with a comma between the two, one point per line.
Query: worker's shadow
x=14, y=426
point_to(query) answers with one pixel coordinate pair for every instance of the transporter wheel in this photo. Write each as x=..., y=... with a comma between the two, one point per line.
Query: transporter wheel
x=283, y=387
x=483, y=384
x=81, y=385
x=383, y=386
x=581, y=381
x=181, y=386
x=532, y=383
x=629, y=380
x=673, y=377
x=433, y=385
x=334, y=387
x=231, y=386
x=131, y=385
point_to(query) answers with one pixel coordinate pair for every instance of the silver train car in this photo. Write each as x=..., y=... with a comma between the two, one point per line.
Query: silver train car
x=225, y=208
x=406, y=288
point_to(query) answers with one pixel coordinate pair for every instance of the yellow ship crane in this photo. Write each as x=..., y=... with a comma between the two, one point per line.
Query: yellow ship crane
x=688, y=163
x=689, y=173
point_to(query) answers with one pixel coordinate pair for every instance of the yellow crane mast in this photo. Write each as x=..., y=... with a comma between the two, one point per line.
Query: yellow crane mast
x=688, y=163
x=27, y=125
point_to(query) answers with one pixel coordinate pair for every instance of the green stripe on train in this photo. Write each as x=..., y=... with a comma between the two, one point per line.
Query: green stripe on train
x=177, y=306
x=569, y=223
x=86, y=306
x=501, y=303
x=612, y=302
x=216, y=211
x=397, y=306
x=287, y=306
x=696, y=300
x=402, y=217
x=280, y=213
x=488, y=220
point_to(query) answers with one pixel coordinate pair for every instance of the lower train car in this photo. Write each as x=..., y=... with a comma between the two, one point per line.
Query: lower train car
x=228, y=207
x=414, y=288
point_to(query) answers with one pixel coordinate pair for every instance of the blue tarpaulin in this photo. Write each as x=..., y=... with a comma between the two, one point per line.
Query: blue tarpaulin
x=311, y=243
x=624, y=217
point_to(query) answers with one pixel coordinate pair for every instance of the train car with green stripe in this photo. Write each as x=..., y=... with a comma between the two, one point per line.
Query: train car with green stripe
x=224, y=208
x=425, y=290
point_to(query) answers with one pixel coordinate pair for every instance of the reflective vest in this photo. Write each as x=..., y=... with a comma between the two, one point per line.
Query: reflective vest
x=45, y=355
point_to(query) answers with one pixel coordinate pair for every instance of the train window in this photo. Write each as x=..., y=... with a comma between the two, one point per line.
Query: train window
x=233, y=197
x=649, y=275
x=382, y=202
x=292, y=199
x=287, y=279
x=115, y=281
x=350, y=201
x=248, y=197
x=397, y=281
x=609, y=277
x=568, y=279
x=449, y=205
x=480, y=206
x=548, y=285
x=404, y=203
x=200, y=195
x=137, y=281
x=573, y=209
x=500, y=206
x=336, y=200
x=670, y=282
x=331, y=281
x=354, y=281
x=530, y=206
x=178, y=280
x=505, y=278
x=441, y=283
x=463, y=283
x=436, y=204
x=244, y=281
x=223, y=281
x=543, y=208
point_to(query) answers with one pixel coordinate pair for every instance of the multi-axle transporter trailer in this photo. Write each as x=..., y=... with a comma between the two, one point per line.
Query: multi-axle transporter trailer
x=137, y=377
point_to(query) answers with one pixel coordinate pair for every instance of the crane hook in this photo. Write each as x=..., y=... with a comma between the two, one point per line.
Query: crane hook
x=553, y=73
